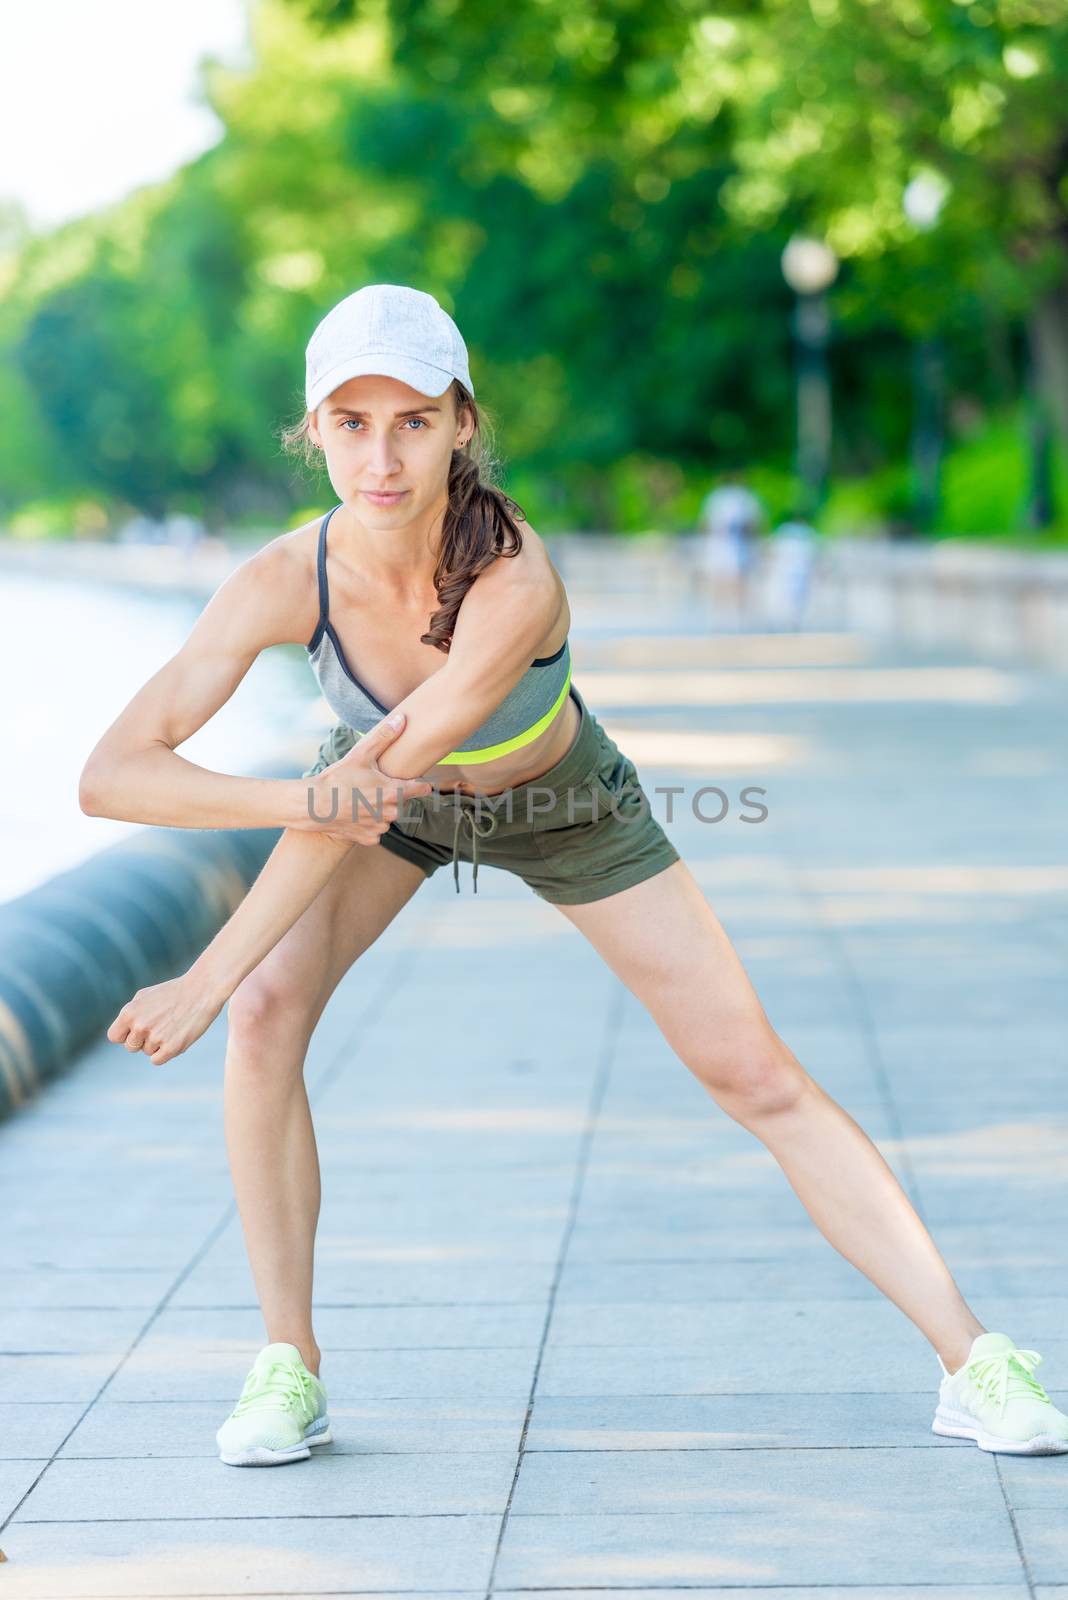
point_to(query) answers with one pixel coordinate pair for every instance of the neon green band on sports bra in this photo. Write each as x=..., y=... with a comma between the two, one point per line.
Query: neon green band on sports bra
x=461, y=758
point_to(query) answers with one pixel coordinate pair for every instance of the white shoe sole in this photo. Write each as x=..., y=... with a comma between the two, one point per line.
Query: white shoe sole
x=262, y=1457
x=958, y=1425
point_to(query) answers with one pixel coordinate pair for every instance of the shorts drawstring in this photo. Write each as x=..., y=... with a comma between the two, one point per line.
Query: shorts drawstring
x=477, y=832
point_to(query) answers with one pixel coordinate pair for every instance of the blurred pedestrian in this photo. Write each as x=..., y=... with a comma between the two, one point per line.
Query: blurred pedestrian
x=791, y=557
x=729, y=522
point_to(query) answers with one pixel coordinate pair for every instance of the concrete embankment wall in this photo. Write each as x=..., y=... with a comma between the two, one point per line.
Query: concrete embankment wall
x=74, y=949
x=1009, y=605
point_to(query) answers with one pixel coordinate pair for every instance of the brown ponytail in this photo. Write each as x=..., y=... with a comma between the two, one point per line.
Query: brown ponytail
x=479, y=524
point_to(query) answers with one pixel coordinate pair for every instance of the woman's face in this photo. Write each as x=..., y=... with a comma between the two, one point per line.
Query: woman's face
x=388, y=447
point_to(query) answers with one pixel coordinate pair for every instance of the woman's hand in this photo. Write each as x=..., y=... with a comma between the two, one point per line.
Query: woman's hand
x=167, y=1018
x=338, y=810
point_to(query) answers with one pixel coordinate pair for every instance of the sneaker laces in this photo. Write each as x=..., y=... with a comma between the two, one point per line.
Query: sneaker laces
x=273, y=1387
x=1005, y=1372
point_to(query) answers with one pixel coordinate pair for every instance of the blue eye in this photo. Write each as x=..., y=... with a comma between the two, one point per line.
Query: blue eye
x=421, y=421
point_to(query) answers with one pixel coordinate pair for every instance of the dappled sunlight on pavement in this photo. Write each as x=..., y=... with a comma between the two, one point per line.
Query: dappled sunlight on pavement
x=735, y=650
x=1028, y=1156
x=959, y=685
x=681, y=750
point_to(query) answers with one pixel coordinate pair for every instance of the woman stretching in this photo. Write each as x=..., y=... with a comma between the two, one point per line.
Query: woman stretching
x=461, y=739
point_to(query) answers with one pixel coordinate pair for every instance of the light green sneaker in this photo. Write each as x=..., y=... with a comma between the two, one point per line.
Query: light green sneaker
x=282, y=1410
x=994, y=1400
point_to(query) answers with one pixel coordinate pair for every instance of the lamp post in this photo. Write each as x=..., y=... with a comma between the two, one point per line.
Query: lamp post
x=810, y=267
x=922, y=202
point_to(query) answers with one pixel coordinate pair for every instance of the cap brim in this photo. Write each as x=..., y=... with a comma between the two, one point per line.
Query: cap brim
x=420, y=375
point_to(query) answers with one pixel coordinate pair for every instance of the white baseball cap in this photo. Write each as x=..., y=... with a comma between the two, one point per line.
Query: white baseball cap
x=386, y=328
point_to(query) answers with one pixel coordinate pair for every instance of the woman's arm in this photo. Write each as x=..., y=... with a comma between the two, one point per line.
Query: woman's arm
x=502, y=620
x=166, y=1018
x=134, y=773
x=297, y=868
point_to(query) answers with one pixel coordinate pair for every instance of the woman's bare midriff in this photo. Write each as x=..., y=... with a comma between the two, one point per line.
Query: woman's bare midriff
x=525, y=765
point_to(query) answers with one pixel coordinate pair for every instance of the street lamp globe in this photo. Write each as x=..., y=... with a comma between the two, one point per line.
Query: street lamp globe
x=808, y=265
x=924, y=197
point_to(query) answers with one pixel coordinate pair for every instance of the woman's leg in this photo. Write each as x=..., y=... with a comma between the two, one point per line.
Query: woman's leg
x=665, y=942
x=269, y=1135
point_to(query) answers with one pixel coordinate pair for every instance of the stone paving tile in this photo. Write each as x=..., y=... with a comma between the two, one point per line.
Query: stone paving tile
x=814, y=1272
x=247, y=1555
x=1036, y=1483
x=43, y=1288
x=698, y=1238
x=476, y=1241
x=835, y=1591
x=16, y=1477
x=731, y=1177
x=179, y=1370
x=646, y=1370
x=745, y=1353
x=528, y=1186
x=345, y=1253
x=1044, y=1538
x=401, y=1278
x=30, y=1428
x=154, y=1488
x=778, y=1482
x=537, y=1230
x=424, y=1097
x=502, y=1139
x=240, y=1333
x=359, y=1427
x=66, y=1216
x=790, y=1421
x=841, y=1541
x=56, y=1378
x=957, y=1045
x=943, y=1109
x=858, y=1346
x=83, y=1250
x=72, y=1332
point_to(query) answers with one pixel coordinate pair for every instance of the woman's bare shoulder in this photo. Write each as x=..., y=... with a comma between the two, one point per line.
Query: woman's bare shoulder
x=541, y=562
x=532, y=568
x=530, y=563
x=279, y=580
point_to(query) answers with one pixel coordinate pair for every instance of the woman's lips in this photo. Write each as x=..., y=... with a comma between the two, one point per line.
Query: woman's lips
x=384, y=499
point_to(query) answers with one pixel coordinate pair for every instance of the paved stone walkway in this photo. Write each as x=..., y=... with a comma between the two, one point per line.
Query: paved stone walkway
x=579, y=1332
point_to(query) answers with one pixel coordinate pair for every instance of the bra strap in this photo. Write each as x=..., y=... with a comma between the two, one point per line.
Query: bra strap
x=324, y=591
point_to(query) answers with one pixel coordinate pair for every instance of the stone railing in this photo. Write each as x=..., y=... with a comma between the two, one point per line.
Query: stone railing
x=1008, y=604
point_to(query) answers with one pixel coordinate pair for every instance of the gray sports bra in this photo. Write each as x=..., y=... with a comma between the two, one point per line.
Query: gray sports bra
x=525, y=711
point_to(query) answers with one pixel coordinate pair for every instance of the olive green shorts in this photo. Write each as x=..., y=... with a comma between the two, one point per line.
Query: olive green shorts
x=580, y=832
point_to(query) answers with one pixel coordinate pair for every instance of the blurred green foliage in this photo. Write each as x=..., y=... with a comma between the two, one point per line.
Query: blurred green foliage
x=599, y=191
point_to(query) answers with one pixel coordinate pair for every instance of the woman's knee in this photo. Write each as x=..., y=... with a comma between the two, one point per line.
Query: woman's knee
x=268, y=1010
x=750, y=1071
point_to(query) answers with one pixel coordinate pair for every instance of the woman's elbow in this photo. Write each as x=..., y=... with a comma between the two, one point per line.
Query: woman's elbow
x=92, y=790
